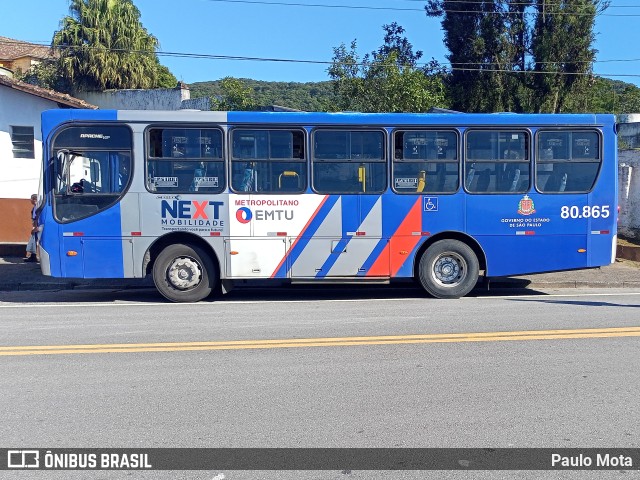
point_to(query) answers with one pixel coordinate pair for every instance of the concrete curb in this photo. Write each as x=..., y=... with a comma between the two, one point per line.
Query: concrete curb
x=507, y=283
x=628, y=252
x=12, y=249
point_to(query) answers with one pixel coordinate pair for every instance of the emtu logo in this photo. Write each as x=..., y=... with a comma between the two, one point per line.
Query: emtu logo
x=244, y=215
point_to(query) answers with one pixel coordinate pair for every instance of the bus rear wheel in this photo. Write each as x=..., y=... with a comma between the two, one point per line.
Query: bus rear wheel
x=448, y=269
x=184, y=273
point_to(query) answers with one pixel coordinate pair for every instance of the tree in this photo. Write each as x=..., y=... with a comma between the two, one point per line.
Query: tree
x=395, y=43
x=562, y=52
x=166, y=79
x=103, y=45
x=47, y=74
x=468, y=52
x=387, y=80
x=517, y=55
x=235, y=96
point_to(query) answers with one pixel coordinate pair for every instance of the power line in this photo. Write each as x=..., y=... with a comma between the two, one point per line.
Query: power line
x=399, y=9
x=287, y=60
x=525, y=4
x=204, y=56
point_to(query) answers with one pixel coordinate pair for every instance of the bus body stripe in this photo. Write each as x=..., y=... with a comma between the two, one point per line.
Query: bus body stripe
x=403, y=240
x=379, y=259
x=333, y=257
x=305, y=235
x=402, y=224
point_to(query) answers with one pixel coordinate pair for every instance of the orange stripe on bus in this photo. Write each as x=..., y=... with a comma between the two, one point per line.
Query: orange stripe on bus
x=390, y=260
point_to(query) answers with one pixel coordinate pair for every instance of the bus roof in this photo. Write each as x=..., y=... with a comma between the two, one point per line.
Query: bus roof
x=54, y=117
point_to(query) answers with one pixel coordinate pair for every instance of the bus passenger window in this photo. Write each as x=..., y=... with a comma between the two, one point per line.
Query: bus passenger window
x=497, y=161
x=268, y=161
x=425, y=161
x=567, y=161
x=181, y=160
x=349, y=161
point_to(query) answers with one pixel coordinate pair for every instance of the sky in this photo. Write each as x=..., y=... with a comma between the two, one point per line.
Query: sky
x=306, y=34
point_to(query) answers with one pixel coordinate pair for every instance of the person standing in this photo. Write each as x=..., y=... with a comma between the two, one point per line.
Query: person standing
x=32, y=245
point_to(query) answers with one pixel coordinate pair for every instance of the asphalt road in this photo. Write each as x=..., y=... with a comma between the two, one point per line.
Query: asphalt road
x=311, y=368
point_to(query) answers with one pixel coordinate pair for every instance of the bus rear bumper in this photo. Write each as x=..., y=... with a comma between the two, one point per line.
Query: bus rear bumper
x=614, y=248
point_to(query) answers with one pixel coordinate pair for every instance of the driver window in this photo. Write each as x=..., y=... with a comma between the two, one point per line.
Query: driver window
x=92, y=169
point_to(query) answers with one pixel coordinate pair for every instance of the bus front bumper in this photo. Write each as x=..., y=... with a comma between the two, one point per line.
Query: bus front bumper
x=45, y=262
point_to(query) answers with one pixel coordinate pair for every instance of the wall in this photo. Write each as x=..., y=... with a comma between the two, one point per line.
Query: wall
x=629, y=193
x=19, y=177
x=156, y=99
x=15, y=226
x=629, y=175
x=23, y=64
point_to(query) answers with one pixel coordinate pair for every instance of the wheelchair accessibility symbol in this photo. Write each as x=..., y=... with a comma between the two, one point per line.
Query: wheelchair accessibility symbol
x=430, y=204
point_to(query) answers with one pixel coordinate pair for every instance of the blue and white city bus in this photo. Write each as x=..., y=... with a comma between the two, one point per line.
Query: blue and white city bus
x=201, y=200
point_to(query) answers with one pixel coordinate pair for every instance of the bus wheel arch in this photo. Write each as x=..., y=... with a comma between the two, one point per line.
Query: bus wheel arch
x=448, y=264
x=184, y=267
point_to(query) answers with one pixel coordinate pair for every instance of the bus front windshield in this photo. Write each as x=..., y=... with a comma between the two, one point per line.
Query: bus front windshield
x=86, y=179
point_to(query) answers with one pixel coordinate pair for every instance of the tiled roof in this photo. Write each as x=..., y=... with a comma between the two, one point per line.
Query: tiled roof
x=60, y=98
x=11, y=49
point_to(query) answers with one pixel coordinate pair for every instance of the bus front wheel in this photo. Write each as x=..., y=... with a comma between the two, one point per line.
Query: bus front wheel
x=448, y=269
x=184, y=273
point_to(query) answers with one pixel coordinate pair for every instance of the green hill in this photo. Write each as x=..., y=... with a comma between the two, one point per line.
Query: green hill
x=310, y=97
x=610, y=96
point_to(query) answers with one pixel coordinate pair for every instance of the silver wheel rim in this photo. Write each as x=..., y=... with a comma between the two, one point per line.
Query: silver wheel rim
x=184, y=273
x=449, y=269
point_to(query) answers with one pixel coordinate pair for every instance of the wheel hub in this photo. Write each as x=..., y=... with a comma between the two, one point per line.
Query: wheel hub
x=448, y=269
x=184, y=273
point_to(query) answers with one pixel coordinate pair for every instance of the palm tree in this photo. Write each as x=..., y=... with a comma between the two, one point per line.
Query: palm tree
x=103, y=45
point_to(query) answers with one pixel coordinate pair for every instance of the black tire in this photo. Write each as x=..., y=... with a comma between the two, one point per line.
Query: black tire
x=184, y=273
x=448, y=269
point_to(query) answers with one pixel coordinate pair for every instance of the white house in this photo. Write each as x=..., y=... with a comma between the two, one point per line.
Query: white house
x=21, y=105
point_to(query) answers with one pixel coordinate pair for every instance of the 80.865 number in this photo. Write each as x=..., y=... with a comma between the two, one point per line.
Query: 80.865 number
x=587, y=211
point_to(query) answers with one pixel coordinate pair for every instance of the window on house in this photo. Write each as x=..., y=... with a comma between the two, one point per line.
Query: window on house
x=23, y=142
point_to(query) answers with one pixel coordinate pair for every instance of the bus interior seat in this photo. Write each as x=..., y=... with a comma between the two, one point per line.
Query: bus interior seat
x=185, y=180
x=557, y=182
x=563, y=182
x=470, y=175
x=441, y=176
x=484, y=179
x=515, y=179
